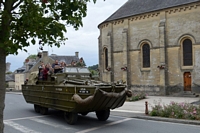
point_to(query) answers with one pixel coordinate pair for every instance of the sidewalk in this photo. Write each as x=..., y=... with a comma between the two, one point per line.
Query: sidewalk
x=137, y=109
x=139, y=106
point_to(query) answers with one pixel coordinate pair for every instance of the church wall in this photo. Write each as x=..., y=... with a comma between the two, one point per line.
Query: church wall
x=118, y=45
x=196, y=71
x=118, y=63
x=106, y=43
x=182, y=23
x=117, y=36
x=175, y=76
x=147, y=28
x=144, y=29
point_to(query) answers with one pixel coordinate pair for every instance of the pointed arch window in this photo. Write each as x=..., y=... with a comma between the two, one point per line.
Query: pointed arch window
x=105, y=58
x=187, y=52
x=146, y=55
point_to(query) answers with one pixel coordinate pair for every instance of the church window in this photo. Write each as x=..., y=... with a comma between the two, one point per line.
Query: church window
x=146, y=55
x=187, y=52
x=106, y=58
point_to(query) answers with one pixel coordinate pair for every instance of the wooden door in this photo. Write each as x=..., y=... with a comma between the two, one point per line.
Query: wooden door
x=187, y=81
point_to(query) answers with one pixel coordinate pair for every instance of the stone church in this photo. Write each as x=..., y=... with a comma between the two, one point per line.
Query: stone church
x=153, y=45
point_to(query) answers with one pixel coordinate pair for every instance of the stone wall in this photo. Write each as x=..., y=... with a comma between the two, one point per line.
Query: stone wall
x=164, y=31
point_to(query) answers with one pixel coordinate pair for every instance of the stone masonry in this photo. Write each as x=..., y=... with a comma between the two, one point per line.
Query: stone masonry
x=164, y=30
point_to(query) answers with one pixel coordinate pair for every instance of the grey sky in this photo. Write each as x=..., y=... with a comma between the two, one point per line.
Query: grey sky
x=85, y=40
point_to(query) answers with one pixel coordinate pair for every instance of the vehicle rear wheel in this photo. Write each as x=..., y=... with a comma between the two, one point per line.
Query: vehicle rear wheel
x=71, y=117
x=43, y=110
x=103, y=114
x=37, y=108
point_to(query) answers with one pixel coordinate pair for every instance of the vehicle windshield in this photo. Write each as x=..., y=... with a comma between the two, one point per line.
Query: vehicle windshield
x=76, y=70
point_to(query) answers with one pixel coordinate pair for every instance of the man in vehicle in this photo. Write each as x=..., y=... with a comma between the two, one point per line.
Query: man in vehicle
x=81, y=63
x=56, y=66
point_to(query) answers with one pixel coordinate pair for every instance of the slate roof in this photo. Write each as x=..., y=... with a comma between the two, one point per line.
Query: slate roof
x=21, y=69
x=10, y=77
x=136, y=7
x=66, y=59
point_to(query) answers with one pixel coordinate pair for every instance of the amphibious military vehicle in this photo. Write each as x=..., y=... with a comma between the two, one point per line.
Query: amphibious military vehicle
x=74, y=92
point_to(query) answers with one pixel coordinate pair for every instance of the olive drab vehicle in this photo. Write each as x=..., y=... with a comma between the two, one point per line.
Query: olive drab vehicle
x=74, y=92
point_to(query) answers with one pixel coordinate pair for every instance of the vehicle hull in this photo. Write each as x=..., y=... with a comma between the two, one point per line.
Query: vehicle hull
x=75, y=98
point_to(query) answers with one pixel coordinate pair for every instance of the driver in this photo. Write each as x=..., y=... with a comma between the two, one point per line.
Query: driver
x=56, y=66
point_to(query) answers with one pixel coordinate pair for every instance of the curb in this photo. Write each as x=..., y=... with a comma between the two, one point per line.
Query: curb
x=16, y=93
x=182, y=121
x=147, y=117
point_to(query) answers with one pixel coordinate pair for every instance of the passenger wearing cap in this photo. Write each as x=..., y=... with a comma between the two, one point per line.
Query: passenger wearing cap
x=81, y=63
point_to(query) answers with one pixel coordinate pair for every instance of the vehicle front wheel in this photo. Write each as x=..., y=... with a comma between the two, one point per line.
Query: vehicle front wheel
x=43, y=110
x=71, y=117
x=37, y=108
x=103, y=114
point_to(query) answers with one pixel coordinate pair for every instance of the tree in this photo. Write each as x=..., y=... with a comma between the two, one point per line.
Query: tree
x=22, y=22
x=33, y=56
x=94, y=67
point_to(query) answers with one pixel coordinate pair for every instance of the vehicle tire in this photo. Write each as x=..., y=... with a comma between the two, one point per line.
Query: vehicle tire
x=43, y=110
x=84, y=113
x=103, y=114
x=71, y=117
x=37, y=108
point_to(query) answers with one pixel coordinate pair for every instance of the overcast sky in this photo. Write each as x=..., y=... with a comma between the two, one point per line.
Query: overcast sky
x=84, y=41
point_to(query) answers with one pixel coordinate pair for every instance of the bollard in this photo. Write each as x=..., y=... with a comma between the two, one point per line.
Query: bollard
x=146, y=108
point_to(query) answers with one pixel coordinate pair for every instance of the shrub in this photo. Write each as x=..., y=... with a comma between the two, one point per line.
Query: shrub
x=177, y=110
x=137, y=96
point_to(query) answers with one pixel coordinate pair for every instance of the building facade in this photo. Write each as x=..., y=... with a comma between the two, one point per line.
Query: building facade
x=19, y=80
x=153, y=45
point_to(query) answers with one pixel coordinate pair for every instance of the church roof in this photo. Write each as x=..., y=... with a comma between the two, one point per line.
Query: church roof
x=136, y=7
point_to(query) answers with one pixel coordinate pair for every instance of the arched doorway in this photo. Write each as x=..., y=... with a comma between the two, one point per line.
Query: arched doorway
x=187, y=81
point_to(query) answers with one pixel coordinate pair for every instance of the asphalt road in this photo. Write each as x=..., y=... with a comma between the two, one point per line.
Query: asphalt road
x=19, y=117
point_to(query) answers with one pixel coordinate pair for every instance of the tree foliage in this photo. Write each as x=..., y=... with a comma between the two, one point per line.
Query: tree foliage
x=33, y=56
x=94, y=67
x=22, y=22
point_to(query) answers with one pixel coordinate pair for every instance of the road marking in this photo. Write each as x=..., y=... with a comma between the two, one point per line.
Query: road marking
x=128, y=111
x=20, y=127
x=48, y=123
x=109, y=124
x=17, y=93
x=24, y=118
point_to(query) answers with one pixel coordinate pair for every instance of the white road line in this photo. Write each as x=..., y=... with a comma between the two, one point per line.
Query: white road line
x=128, y=111
x=109, y=124
x=48, y=123
x=20, y=127
x=24, y=118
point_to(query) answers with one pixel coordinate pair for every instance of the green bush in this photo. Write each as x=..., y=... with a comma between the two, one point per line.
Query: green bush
x=177, y=110
x=137, y=96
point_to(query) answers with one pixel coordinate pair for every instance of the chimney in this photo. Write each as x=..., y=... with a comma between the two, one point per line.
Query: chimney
x=44, y=53
x=27, y=66
x=8, y=66
x=76, y=54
